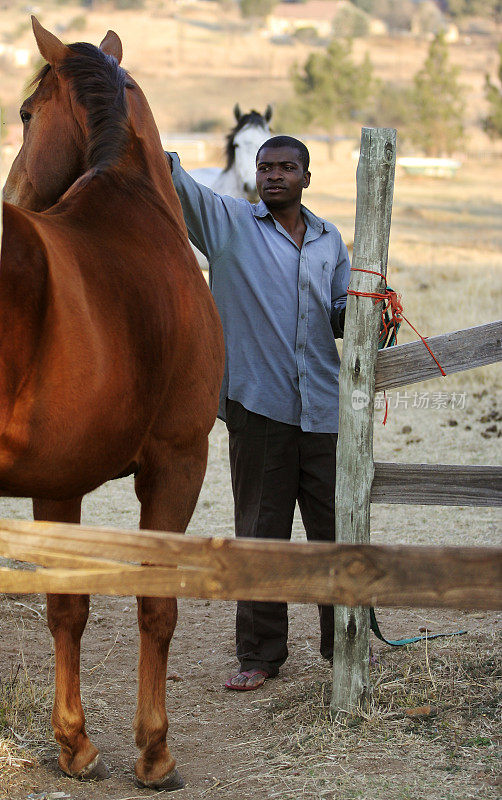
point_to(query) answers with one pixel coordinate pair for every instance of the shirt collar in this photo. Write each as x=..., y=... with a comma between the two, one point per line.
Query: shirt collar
x=261, y=210
x=316, y=223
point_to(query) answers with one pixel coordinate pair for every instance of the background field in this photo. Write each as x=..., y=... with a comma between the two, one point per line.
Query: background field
x=446, y=259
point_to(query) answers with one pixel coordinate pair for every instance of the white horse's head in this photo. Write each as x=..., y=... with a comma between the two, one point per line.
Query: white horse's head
x=243, y=143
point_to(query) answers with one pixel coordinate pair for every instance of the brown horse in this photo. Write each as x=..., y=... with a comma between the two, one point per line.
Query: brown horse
x=111, y=351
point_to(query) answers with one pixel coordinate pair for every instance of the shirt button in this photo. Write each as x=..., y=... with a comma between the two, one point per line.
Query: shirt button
x=302, y=316
x=304, y=285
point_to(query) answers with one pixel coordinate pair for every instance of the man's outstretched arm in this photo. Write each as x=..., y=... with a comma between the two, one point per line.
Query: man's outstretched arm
x=209, y=217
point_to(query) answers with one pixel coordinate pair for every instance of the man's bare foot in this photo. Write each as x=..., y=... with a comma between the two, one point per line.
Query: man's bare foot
x=246, y=680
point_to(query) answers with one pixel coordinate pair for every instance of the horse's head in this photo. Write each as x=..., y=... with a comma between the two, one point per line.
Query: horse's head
x=243, y=143
x=57, y=147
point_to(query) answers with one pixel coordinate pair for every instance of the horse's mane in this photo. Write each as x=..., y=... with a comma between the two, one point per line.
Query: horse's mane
x=253, y=118
x=99, y=85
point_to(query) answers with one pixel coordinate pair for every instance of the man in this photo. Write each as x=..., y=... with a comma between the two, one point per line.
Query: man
x=279, y=276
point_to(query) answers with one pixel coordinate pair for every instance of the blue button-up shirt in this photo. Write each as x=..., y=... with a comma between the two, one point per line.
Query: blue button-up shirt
x=279, y=304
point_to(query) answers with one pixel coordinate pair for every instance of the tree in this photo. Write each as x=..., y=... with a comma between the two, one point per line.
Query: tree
x=256, y=9
x=351, y=22
x=483, y=8
x=493, y=93
x=438, y=104
x=332, y=89
x=397, y=14
x=392, y=107
x=365, y=5
x=428, y=18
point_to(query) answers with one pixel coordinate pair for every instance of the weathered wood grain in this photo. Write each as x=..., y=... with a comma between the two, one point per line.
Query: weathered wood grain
x=375, y=184
x=437, y=484
x=456, y=351
x=230, y=569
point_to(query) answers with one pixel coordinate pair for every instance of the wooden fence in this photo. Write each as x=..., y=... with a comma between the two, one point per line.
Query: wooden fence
x=351, y=573
x=364, y=370
x=79, y=559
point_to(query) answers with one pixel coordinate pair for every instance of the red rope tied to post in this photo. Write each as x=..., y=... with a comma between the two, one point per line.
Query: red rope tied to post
x=395, y=307
x=392, y=304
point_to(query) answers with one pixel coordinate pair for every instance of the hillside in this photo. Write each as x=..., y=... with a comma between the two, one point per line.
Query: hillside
x=196, y=59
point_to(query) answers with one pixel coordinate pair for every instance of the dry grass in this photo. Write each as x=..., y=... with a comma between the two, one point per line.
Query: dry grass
x=24, y=722
x=359, y=755
x=13, y=758
x=27, y=693
x=25, y=705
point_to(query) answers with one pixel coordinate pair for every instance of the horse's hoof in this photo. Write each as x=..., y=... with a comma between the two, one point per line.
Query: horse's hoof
x=169, y=783
x=95, y=771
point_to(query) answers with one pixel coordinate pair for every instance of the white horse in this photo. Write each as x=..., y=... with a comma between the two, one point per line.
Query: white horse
x=238, y=177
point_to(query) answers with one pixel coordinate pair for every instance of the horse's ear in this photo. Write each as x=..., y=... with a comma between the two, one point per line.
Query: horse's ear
x=49, y=45
x=268, y=113
x=112, y=46
x=237, y=112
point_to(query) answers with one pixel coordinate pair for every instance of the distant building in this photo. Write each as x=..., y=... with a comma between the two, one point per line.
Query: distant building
x=377, y=27
x=287, y=18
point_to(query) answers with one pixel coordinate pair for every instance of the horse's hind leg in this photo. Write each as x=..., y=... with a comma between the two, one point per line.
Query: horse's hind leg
x=167, y=486
x=67, y=616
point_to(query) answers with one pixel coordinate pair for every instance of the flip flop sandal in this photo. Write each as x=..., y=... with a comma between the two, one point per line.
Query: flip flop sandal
x=247, y=674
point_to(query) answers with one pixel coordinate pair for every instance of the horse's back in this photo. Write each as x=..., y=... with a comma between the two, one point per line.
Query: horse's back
x=23, y=273
x=135, y=287
x=125, y=314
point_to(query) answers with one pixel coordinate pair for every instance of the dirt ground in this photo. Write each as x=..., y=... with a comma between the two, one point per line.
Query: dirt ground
x=278, y=743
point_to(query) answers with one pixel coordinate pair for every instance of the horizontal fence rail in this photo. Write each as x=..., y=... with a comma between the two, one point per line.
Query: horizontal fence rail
x=457, y=351
x=82, y=560
x=437, y=484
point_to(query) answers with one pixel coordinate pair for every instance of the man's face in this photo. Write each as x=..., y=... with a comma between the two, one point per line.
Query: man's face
x=280, y=178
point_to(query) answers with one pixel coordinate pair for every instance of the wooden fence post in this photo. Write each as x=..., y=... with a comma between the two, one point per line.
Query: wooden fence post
x=375, y=185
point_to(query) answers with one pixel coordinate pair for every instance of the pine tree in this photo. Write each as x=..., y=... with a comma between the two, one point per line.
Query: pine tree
x=332, y=89
x=256, y=9
x=438, y=104
x=493, y=93
x=482, y=8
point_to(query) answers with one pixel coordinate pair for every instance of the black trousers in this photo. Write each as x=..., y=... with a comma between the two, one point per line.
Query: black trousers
x=273, y=465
